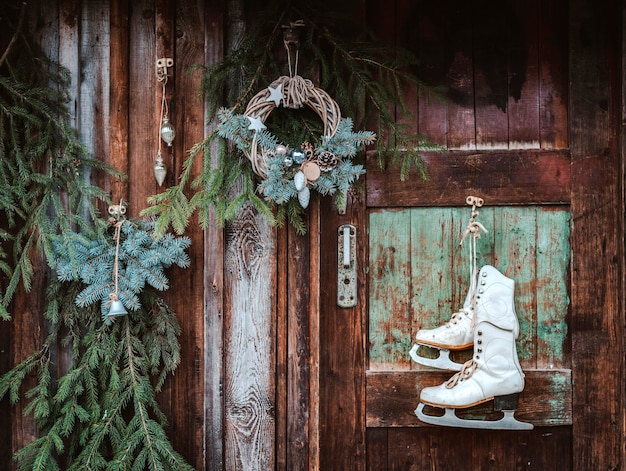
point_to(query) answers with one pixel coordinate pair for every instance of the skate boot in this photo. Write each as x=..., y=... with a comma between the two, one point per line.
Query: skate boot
x=494, y=372
x=456, y=334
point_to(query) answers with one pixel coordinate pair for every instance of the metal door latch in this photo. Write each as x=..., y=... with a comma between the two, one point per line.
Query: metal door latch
x=346, y=266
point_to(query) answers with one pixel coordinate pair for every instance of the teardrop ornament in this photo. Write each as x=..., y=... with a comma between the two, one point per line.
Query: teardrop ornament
x=299, y=180
x=304, y=197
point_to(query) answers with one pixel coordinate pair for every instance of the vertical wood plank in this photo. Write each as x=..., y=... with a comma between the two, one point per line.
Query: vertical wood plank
x=249, y=386
x=377, y=451
x=342, y=339
x=28, y=330
x=315, y=294
x=213, y=278
x=282, y=352
x=142, y=109
x=430, y=47
x=553, y=257
x=431, y=246
x=180, y=35
x=598, y=236
x=389, y=289
x=298, y=349
x=409, y=449
x=118, y=95
x=553, y=80
x=93, y=118
x=490, y=31
x=515, y=252
x=458, y=38
x=523, y=78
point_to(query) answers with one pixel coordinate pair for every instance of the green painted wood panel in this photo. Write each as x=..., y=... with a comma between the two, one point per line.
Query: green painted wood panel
x=419, y=275
x=389, y=286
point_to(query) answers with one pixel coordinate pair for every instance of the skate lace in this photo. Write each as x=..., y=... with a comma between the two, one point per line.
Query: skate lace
x=455, y=318
x=466, y=372
x=473, y=232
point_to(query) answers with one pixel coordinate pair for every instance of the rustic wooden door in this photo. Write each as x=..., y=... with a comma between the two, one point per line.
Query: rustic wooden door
x=515, y=132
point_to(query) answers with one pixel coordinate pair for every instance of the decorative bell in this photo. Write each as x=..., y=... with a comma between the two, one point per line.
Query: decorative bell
x=117, y=309
x=167, y=131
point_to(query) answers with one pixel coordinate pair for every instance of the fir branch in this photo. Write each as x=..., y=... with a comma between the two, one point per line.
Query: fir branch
x=364, y=76
x=42, y=161
x=103, y=413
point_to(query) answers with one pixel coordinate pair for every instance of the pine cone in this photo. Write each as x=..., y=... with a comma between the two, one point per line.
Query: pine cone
x=326, y=161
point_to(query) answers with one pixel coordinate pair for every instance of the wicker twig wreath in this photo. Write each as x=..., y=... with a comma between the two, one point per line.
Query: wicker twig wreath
x=286, y=173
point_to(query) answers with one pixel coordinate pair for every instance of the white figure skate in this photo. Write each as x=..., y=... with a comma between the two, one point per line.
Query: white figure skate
x=494, y=372
x=457, y=333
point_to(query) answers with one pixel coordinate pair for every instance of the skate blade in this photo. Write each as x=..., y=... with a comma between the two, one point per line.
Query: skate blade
x=442, y=362
x=450, y=419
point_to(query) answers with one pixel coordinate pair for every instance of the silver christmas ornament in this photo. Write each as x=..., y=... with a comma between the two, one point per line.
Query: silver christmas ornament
x=159, y=170
x=298, y=156
x=167, y=131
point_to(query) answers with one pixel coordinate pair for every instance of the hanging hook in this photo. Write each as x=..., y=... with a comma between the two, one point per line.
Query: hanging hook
x=291, y=39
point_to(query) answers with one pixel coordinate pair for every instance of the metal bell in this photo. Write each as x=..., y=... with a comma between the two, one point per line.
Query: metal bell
x=117, y=309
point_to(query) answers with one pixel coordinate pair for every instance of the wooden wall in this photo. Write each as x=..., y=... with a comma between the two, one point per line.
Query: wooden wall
x=273, y=373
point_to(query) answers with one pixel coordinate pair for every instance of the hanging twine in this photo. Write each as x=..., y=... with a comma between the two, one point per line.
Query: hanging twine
x=473, y=232
x=116, y=210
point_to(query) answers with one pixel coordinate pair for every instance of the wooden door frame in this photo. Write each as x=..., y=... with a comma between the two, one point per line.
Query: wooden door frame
x=597, y=42
x=597, y=205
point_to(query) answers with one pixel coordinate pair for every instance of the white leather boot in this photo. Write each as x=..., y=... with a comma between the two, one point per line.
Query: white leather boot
x=494, y=371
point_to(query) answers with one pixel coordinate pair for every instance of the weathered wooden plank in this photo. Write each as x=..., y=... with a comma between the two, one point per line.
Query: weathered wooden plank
x=27, y=330
x=213, y=279
x=314, y=320
x=389, y=295
x=298, y=349
x=523, y=76
x=598, y=237
x=411, y=451
x=179, y=26
x=419, y=36
x=553, y=80
x=249, y=346
x=514, y=255
x=460, y=78
x=553, y=258
x=499, y=177
x=282, y=351
x=119, y=124
x=377, y=451
x=93, y=119
x=491, y=24
x=342, y=340
x=142, y=110
x=393, y=396
x=432, y=245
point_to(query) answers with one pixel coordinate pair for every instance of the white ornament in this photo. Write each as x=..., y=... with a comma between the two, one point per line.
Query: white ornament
x=159, y=169
x=256, y=124
x=276, y=94
x=299, y=180
x=304, y=197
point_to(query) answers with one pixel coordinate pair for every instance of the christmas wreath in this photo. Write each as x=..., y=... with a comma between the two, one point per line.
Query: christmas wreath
x=292, y=172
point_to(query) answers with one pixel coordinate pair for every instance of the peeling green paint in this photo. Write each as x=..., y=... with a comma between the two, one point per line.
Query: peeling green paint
x=418, y=276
